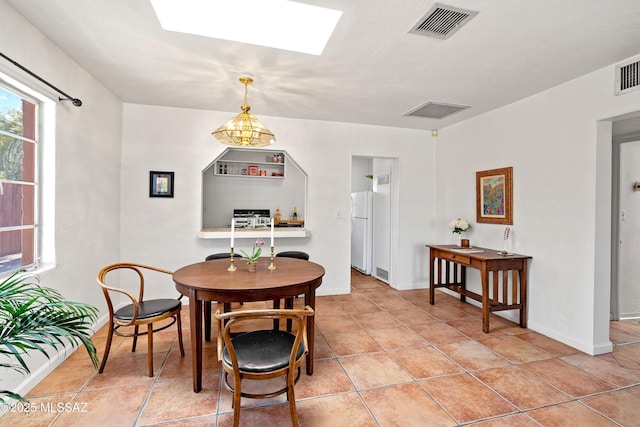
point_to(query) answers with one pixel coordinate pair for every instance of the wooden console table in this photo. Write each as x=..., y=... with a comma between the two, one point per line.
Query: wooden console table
x=505, y=290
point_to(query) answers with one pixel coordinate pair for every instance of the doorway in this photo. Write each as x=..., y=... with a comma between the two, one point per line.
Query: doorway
x=625, y=285
x=376, y=176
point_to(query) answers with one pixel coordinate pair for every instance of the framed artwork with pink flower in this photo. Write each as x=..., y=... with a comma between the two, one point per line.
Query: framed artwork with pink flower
x=494, y=196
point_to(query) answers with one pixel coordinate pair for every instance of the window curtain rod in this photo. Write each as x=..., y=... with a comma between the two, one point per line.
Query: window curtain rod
x=74, y=101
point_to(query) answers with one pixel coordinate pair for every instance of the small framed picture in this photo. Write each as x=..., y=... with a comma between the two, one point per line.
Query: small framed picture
x=160, y=184
x=494, y=196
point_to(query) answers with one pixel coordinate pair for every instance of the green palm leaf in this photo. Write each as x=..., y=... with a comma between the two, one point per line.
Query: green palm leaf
x=35, y=318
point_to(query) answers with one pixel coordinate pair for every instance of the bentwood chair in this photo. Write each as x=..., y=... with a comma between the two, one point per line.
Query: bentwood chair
x=288, y=302
x=262, y=354
x=139, y=312
x=206, y=308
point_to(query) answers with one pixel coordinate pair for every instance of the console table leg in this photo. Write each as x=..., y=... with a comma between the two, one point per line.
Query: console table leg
x=485, y=299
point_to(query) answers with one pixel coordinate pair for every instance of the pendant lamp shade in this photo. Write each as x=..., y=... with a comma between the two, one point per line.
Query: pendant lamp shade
x=244, y=130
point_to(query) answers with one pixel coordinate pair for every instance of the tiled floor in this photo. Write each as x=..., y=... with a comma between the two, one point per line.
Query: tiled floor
x=383, y=358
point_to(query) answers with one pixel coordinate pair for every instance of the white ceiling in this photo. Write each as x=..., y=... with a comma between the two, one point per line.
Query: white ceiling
x=372, y=70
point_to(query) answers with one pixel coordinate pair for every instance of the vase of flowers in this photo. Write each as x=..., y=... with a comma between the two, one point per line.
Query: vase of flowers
x=459, y=226
x=255, y=254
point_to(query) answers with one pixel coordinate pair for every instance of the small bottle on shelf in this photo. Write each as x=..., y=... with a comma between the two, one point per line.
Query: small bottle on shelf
x=276, y=220
x=295, y=213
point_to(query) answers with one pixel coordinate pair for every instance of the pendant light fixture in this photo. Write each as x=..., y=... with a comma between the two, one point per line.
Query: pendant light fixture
x=244, y=130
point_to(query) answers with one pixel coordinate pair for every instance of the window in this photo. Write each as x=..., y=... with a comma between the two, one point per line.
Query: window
x=18, y=186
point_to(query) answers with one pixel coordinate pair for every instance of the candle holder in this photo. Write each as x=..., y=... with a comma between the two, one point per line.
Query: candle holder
x=271, y=265
x=232, y=267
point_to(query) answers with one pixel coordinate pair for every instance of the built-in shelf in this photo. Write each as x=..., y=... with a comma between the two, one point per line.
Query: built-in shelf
x=253, y=233
x=283, y=186
x=250, y=164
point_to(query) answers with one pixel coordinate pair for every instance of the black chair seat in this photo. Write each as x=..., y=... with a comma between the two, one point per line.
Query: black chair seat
x=263, y=351
x=294, y=254
x=148, y=309
x=221, y=255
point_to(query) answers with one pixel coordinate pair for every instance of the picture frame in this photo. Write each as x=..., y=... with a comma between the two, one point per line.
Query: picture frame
x=494, y=196
x=161, y=184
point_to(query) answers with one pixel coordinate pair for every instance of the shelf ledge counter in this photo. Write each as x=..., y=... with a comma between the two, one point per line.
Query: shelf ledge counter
x=252, y=233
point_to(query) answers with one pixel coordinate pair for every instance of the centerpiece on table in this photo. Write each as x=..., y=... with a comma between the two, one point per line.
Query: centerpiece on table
x=459, y=226
x=255, y=254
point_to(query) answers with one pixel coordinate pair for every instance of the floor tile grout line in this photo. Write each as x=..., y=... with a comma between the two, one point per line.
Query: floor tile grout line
x=153, y=383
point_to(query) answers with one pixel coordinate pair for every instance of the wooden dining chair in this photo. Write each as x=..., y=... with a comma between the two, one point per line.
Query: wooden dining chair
x=139, y=312
x=262, y=354
x=288, y=302
x=206, y=309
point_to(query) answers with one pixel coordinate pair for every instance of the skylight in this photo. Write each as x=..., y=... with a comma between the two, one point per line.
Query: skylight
x=280, y=24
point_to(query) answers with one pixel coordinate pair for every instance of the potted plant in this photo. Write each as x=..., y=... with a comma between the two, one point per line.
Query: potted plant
x=34, y=318
x=255, y=254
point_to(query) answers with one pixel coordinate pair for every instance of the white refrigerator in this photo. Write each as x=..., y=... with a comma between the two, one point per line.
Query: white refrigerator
x=362, y=231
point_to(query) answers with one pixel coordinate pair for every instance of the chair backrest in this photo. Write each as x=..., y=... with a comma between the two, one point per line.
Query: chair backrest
x=294, y=254
x=221, y=255
x=139, y=269
x=226, y=321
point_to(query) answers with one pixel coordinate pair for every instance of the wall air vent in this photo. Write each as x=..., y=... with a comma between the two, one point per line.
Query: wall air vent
x=382, y=274
x=441, y=21
x=435, y=110
x=628, y=76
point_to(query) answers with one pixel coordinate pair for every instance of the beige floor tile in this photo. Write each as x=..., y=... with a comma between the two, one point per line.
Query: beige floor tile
x=333, y=324
x=395, y=338
x=376, y=320
x=467, y=399
x=405, y=405
x=122, y=371
x=175, y=399
x=473, y=328
x=321, y=348
x=571, y=413
x=621, y=406
x=439, y=333
x=569, y=379
x=612, y=372
x=117, y=406
x=523, y=389
x=374, y=370
x=329, y=377
x=37, y=412
x=472, y=355
x=343, y=410
x=354, y=342
x=518, y=420
x=193, y=422
x=413, y=316
x=547, y=344
x=394, y=304
x=445, y=312
x=70, y=376
x=276, y=416
x=425, y=362
x=514, y=349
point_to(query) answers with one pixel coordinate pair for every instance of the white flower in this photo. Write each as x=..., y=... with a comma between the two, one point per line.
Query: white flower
x=459, y=225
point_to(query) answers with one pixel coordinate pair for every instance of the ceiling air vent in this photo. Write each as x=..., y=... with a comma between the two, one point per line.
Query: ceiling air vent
x=435, y=110
x=442, y=21
x=627, y=76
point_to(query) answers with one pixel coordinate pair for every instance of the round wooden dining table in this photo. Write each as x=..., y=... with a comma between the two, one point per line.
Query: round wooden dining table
x=211, y=281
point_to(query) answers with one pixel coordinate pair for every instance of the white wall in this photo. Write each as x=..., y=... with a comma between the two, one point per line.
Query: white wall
x=561, y=158
x=360, y=168
x=163, y=231
x=629, y=285
x=87, y=169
